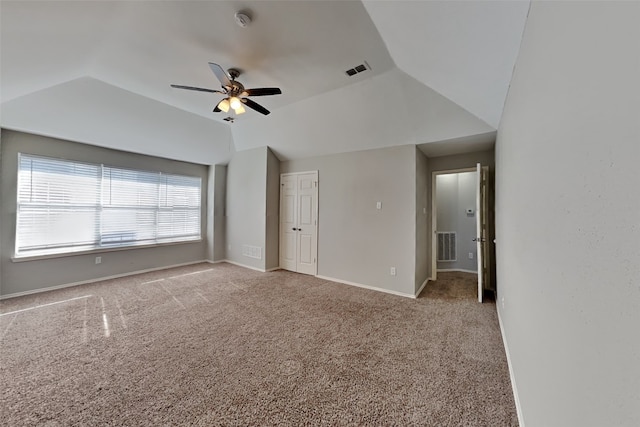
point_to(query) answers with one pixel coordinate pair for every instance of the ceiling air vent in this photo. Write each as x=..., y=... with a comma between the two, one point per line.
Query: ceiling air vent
x=358, y=69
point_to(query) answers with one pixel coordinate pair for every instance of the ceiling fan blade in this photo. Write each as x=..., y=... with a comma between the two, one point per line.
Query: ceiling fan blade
x=251, y=104
x=216, y=110
x=263, y=91
x=221, y=74
x=199, y=89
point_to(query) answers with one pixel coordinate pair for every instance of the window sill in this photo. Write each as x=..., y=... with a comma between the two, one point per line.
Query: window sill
x=98, y=251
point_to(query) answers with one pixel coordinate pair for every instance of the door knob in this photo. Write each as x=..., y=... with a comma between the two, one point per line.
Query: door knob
x=294, y=229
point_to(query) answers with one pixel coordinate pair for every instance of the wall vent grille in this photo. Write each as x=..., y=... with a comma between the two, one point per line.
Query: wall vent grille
x=252, y=251
x=447, y=246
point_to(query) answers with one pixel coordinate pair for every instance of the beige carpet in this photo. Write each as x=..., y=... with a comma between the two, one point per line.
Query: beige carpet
x=453, y=285
x=222, y=345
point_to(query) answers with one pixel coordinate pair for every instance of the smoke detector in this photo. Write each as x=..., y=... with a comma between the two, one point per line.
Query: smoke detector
x=242, y=19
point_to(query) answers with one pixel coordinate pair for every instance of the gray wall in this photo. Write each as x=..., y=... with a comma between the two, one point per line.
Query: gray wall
x=219, y=212
x=462, y=161
x=1, y=203
x=568, y=215
x=455, y=193
x=246, y=205
x=423, y=220
x=272, y=252
x=25, y=276
x=210, y=223
x=356, y=242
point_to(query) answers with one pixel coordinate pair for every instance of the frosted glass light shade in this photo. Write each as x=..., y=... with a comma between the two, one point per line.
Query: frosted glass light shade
x=224, y=105
x=240, y=109
x=235, y=103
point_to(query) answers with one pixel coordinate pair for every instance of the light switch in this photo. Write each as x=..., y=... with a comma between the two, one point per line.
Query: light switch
x=378, y=205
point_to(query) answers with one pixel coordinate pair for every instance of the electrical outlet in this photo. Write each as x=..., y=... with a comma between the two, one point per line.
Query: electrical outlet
x=98, y=260
x=470, y=255
x=502, y=301
x=392, y=271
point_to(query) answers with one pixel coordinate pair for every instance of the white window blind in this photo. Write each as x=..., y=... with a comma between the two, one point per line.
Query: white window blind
x=66, y=206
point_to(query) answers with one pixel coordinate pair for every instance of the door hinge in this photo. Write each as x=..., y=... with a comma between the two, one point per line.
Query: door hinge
x=314, y=260
x=315, y=184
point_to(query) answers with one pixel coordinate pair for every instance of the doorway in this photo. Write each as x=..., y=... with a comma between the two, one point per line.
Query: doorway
x=299, y=222
x=461, y=224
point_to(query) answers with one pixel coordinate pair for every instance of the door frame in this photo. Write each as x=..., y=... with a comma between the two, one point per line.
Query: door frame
x=434, y=215
x=316, y=213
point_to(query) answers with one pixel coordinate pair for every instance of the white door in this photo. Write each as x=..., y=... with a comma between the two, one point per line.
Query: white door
x=299, y=222
x=288, y=225
x=481, y=227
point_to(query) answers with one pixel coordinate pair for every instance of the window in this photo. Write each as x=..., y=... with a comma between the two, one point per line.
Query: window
x=67, y=206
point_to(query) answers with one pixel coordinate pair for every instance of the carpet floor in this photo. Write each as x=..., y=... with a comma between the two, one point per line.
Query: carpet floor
x=219, y=344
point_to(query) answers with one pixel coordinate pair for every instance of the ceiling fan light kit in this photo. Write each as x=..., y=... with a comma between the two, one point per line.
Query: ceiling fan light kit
x=239, y=110
x=236, y=93
x=234, y=103
x=224, y=105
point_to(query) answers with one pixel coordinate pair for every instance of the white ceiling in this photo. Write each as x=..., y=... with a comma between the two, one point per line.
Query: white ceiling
x=99, y=72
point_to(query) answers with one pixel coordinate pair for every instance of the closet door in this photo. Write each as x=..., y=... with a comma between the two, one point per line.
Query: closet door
x=288, y=222
x=299, y=222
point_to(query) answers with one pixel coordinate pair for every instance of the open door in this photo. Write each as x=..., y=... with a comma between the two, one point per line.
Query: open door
x=482, y=228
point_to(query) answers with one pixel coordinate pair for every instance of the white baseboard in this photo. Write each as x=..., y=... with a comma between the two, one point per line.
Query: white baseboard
x=98, y=279
x=372, y=288
x=449, y=270
x=422, y=286
x=245, y=266
x=516, y=398
x=261, y=270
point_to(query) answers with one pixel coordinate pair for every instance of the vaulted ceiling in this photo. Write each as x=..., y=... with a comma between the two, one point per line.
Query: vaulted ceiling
x=99, y=72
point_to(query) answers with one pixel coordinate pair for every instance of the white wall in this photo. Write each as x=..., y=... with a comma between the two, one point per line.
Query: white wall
x=1, y=198
x=390, y=109
x=246, y=205
x=455, y=193
x=218, y=214
x=126, y=121
x=272, y=232
x=423, y=221
x=357, y=242
x=568, y=215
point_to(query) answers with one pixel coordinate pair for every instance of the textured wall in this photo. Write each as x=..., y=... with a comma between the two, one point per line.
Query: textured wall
x=272, y=255
x=568, y=215
x=423, y=220
x=357, y=242
x=219, y=212
x=246, y=205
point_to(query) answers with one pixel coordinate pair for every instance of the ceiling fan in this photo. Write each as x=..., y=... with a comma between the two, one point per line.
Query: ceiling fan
x=236, y=94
